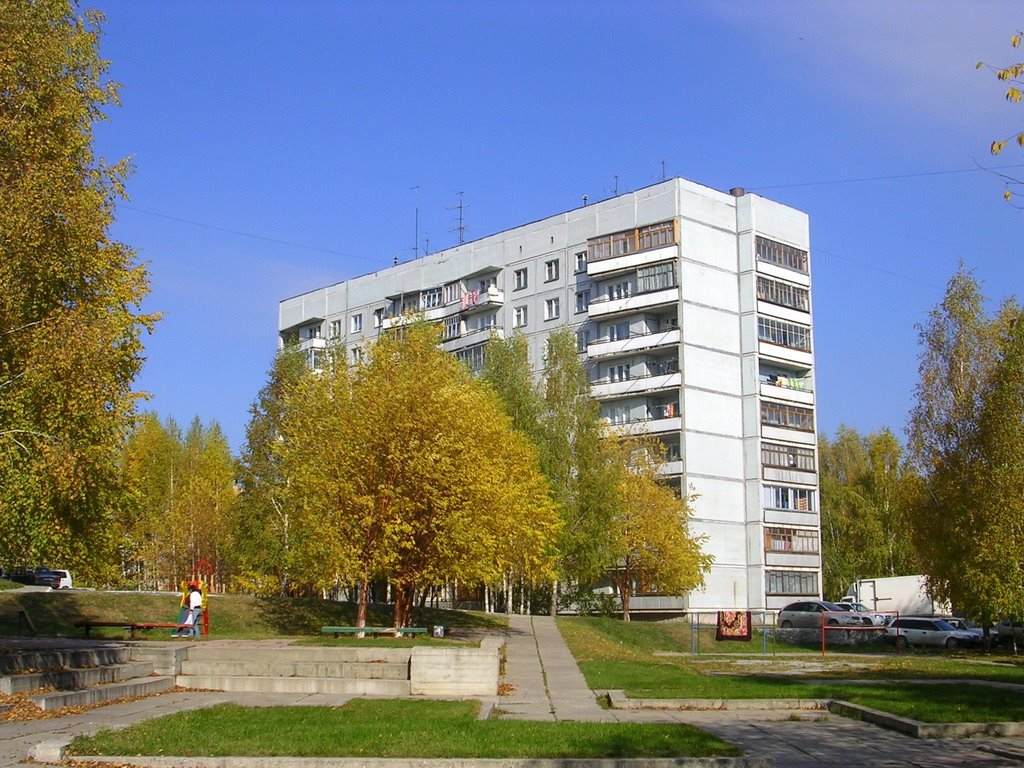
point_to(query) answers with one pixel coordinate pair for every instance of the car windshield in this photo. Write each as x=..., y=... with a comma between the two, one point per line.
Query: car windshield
x=858, y=607
x=945, y=626
x=836, y=607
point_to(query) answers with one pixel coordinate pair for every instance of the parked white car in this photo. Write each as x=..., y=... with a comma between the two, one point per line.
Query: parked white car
x=907, y=631
x=61, y=579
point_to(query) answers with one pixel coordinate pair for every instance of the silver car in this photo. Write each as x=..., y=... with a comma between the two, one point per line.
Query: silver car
x=907, y=631
x=873, y=618
x=809, y=614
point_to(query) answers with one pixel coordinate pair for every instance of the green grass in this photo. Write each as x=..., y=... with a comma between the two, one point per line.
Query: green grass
x=231, y=616
x=620, y=656
x=378, y=728
x=5, y=584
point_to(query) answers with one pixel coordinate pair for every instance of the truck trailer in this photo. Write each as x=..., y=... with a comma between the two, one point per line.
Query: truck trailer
x=906, y=595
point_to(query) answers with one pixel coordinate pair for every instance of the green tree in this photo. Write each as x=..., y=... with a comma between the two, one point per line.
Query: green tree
x=649, y=535
x=262, y=529
x=69, y=321
x=182, y=491
x=865, y=491
x=953, y=434
x=565, y=423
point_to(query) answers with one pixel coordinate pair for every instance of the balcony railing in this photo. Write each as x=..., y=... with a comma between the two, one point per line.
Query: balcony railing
x=631, y=241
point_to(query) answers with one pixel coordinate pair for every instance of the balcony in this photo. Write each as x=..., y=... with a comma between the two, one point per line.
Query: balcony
x=670, y=468
x=317, y=343
x=636, y=385
x=802, y=559
x=798, y=357
x=608, y=348
x=433, y=315
x=629, y=262
x=602, y=306
x=790, y=390
x=468, y=339
x=479, y=301
x=648, y=426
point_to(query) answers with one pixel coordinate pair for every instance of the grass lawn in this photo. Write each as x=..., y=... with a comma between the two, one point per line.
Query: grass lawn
x=5, y=584
x=381, y=728
x=620, y=656
x=231, y=616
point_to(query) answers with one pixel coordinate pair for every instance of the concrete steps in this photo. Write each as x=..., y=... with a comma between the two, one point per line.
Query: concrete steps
x=263, y=684
x=74, y=678
x=81, y=675
x=136, y=686
x=354, y=670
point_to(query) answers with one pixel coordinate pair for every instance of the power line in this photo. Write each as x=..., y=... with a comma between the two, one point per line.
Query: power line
x=885, y=178
x=251, y=235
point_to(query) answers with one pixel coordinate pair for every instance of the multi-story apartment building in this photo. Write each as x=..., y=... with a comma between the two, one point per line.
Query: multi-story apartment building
x=693, y=310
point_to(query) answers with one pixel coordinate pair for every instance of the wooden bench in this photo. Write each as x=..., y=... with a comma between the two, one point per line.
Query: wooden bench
x=132, y=627
x=396, y=631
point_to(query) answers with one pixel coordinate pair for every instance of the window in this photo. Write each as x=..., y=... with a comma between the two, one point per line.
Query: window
x=790, y=540
x=430, y=298
x=550, y=270
x=655, y=278
x=787, y=457
x=378, y=318
x=520, y=278
x=581, y=261
x=335, y=331
x=519, y=320
x=617, y=414
x=778, y=253
x=552, y=308
x=357, y=323
x=788, y=416
x=487, y=282
x=619, y=331
x=618, y=290
x=663, y=367
x=792, y=499
x=472, y=357
x=582, y=300
x=791, y=583
x=582, y=340
x=452, y=292
x=357, y=355
x=313, y=332
x=618, y=372
x=784, y=334
x=487, y=321
x=783, y=294
x=452, y=327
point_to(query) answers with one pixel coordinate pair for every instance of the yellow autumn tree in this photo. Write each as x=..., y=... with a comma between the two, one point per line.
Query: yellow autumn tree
x=650, y=536
x=406, y=468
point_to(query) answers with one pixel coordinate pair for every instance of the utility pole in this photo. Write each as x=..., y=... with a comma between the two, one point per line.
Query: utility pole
x=461, y=228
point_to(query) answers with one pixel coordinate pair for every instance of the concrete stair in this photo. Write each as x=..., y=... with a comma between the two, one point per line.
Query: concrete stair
x=80, y=675
x=357, y=671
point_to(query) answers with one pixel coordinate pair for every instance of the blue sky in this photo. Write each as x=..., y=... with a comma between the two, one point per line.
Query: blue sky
x=276, y=146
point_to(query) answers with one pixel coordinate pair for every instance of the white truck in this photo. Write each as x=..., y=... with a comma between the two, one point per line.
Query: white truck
x=906, y=595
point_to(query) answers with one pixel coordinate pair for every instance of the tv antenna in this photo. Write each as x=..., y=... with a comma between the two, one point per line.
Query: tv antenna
x=461, y=228
x=416, y=235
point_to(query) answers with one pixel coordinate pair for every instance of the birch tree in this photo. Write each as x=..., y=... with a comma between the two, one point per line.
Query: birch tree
x=70, y=325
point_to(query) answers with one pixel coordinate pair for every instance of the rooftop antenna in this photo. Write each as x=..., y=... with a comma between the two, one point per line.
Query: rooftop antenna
x=616, y=194
x=416, y=236
x=426, y=250
x=395, y=260
x=585, y=198
x=461, y=228
x=663, y=176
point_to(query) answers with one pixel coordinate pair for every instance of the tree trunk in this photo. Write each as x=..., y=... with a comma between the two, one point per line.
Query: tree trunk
x=554, y=598
x=364, y=589
x=624, y=594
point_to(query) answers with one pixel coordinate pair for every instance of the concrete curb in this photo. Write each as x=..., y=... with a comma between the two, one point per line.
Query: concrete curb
x=381, y=762
x=619, y=700
x=920, y=730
